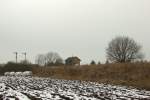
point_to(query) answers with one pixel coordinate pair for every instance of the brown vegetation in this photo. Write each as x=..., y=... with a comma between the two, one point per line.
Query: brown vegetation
x=130, y=74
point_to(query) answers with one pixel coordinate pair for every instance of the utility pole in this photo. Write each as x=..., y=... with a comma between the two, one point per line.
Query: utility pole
x=25, y=55
x=16, y=53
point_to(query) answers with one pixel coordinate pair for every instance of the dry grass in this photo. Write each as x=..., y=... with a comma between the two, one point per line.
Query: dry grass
x=132, y=74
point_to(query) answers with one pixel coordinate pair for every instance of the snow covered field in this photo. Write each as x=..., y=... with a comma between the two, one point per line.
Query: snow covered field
x=27, y=88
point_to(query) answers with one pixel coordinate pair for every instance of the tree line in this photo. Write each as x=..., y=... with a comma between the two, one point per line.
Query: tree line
x=120, y=49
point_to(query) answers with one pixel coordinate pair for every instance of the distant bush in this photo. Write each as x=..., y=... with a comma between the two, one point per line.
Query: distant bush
x=93, y=62
x=1, y=70
x=11, y=66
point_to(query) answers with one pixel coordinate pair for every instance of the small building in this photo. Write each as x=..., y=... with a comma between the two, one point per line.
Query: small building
x=72, y=61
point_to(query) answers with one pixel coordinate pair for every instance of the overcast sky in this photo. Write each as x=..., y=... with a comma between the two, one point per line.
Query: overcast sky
x=70, y=27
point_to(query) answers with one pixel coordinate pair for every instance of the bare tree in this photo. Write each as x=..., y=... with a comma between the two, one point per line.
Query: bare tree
x=49, y=59
x=52, y=58
x=123, y=49
x=40, y=60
